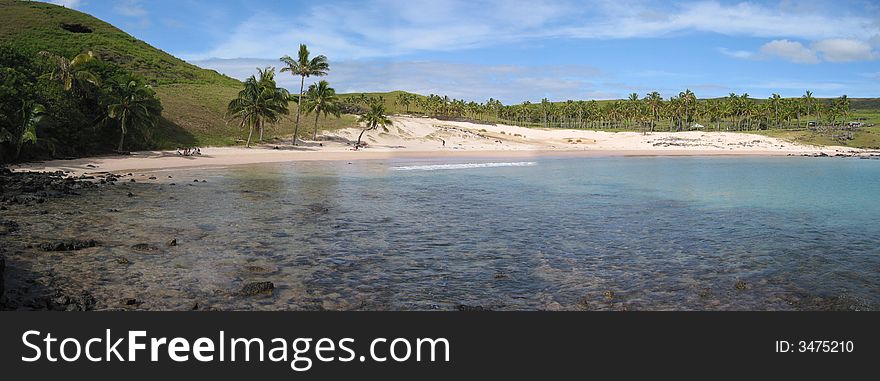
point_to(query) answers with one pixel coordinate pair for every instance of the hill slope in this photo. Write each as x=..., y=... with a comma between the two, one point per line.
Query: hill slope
x=194, y=99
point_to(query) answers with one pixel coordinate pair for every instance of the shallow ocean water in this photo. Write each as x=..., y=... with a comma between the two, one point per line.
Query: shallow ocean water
x=599, y=233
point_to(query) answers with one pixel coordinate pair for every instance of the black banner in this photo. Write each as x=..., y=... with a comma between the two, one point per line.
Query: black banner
x=468, y=344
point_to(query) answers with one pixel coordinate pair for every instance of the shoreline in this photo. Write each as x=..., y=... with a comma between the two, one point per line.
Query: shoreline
x=150, y=161
x=427, y=138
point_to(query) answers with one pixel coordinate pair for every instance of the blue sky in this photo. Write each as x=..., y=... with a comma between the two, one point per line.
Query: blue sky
x=526, y=50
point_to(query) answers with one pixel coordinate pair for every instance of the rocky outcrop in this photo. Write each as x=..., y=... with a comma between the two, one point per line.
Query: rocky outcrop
x=69, y=245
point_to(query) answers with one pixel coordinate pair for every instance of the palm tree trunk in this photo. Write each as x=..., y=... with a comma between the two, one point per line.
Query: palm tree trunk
x=121, y=135
x=315, y=137
x=299, y=103
x=250, y=133
x=360, y=136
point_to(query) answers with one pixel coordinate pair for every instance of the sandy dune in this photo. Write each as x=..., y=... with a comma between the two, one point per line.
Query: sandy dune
x=427, y=137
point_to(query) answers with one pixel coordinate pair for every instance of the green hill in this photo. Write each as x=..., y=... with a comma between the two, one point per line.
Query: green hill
x=194, y=99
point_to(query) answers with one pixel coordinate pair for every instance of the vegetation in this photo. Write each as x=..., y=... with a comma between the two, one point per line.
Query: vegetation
x=304, y=67
x=260, y=102
x=804, y=119
x=57, y=106
x=373, y=119
x=321, y=98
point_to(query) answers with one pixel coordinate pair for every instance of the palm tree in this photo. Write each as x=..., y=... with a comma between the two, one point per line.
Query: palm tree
x=655, y=101
x=73, y=74
x=373, y=119
x=304, y=67
x=404, y=99
x=775, y=99
x=321, y=98
x=133, y=105
x=259, y=102
x=24, y=128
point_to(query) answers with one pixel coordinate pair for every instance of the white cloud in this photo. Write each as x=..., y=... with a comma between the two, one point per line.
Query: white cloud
x=510, y=83
x=66, y=3
x=790, y=50
x=396, y=27
x=831, y=50
x=741, y=54
x=845, y=50
x=130, y=8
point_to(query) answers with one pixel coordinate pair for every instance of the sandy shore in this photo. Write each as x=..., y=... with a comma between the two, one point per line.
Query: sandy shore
x=414, y=137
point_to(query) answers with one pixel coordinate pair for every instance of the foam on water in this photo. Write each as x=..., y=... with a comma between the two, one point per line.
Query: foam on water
x=435, y=167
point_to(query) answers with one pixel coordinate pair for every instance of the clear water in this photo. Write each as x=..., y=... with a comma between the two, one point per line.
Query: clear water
x=574, y=233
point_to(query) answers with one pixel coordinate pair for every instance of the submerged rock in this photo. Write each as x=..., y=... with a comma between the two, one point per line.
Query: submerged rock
x=144, y=247
x=467, y=308
x=69, y=245
x=257, y=288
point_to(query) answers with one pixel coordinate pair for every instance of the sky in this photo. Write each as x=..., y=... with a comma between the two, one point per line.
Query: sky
x=527, y=50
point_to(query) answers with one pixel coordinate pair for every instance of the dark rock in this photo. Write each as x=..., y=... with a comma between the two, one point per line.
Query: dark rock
x=740, y=285
x=172, y=242
x=8, y=226
x=257, y=288
x=500, y=275
x=609, y=295
x=196, y=180
x=130, y=194
x=69, y=245
x=130, y=302
x=2, y=280
x=132, y=180
x=467, y=308
x=152, y=177
x=122, y=261
x=144, y=247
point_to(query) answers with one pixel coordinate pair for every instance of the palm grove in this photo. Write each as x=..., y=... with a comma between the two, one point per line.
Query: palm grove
x=54, y=106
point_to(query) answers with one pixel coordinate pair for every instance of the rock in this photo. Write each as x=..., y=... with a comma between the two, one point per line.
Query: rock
x=132, y=180
x=609, y=295
x=467, y=308
x=2, y=279
x=172, y=242
x=152, y=177
x=144, y=247
x=122, y=261
x=69, y=245
x=257, y=288
x=130, y=194
x=740, y=285
x=8, y=226
x=501, y=275
x=130, y=302
x=196, y=180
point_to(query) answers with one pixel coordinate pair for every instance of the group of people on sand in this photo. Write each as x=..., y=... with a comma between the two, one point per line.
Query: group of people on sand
x=189, y=151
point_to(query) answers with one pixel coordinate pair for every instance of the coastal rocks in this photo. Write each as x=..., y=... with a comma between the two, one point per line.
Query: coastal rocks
x=467, y=308
x=69, y=245
x=8, y=226
x=740, y=285
x=257, y=288
x=35, y=187
x=171, y=242
x=82, y=301
x=2, y=281
x=144, y=247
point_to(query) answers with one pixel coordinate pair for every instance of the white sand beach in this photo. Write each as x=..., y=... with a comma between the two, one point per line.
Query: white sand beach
x=427, y=137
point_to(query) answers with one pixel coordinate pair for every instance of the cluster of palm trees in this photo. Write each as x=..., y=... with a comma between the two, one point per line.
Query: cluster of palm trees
x=262, y=102
x=127, y=100
x=648, y=113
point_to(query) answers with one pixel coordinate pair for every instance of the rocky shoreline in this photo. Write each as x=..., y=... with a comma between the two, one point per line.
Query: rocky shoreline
x=37, y=196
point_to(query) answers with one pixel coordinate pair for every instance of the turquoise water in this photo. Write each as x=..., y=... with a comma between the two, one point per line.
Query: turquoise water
x=570, y=233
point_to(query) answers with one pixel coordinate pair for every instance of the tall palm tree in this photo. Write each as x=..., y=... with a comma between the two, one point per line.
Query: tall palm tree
x=373, y=119
x=73, y=74
x=775, y=100
x=261, y=101
x=404, y=99
x=321, y=98
x=654, y=101
x=304, y=67
x=133, y=105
